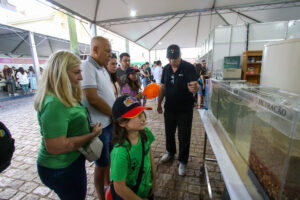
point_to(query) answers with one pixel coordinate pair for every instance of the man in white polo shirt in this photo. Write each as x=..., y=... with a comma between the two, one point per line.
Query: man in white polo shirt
x=99, y=98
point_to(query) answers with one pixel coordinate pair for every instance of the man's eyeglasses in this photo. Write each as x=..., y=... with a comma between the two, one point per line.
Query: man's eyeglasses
x=172, y=79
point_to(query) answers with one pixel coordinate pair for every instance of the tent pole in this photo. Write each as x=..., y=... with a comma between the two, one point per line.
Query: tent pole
x=198, y=26
x=34, y=55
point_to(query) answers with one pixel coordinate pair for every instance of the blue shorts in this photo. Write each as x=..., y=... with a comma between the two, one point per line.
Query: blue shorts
x=200, y=91
x=105, y=137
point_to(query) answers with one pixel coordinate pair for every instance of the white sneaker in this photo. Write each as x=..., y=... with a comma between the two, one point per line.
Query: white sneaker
x=181, y=169
x=166, y=157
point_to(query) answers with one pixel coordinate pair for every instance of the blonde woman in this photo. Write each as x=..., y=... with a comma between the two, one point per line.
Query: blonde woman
x=64, y=127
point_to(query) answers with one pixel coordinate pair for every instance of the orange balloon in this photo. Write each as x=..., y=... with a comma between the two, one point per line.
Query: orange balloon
x=151, y=91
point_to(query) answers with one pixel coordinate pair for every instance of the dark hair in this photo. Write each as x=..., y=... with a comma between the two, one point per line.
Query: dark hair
x=155, y=62
x=113, y=76
x=113, y=55
x=124, y=54
x=147, y=63
x=9, y=71
x=158, y=62
x=134, y=85
x=120, y=134
x=31, y=69
x=198, y=65
x=203, y=61
x=21, y=70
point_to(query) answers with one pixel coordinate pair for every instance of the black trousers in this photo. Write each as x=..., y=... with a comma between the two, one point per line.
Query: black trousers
x=184, y=123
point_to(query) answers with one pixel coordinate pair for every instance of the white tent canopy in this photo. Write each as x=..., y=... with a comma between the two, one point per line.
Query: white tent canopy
x=159, y=23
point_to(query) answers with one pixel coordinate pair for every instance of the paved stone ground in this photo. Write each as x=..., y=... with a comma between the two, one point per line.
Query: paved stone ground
x=21, y=181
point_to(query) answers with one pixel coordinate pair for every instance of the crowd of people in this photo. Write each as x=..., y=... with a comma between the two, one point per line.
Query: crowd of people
x=18, y=79
x=78, y=102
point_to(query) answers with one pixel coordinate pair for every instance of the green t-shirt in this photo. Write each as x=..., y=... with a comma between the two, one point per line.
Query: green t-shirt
x=55, y=120
x=124, y=166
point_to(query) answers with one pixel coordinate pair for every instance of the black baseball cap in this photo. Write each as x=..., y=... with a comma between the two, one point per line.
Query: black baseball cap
x=173, y=51
x=127, y=107
x=130, y=70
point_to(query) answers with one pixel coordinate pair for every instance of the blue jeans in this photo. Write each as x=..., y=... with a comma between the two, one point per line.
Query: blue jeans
x=68, y=183
x=144, y=82
x=105, y=137
x=25, y=88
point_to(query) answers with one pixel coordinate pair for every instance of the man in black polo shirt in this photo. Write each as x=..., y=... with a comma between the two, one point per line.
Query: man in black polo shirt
x=178, y=85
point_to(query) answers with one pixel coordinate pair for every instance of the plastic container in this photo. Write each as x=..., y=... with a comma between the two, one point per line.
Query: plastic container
x=262, y=125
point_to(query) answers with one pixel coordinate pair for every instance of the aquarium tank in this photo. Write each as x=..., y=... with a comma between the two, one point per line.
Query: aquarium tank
x=260, y=129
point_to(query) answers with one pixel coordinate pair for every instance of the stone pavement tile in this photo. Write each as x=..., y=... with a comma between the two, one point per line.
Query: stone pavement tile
x=32, y=169
x=24, y=166
x=53, y=195
x=28, y=187
x=4, y=181
x=181, y=186
x=170, y=184
x=15, y=184
x=195, y=189
x=176, y=195
x=19, y=196
x=88, y=197
x=15, y=163
x=7, y=193
x=161, y=193
x=90, y=189
x=31, y=197
x=38, y=181
x=188, y=196
x=42, y=191
x=193, y=180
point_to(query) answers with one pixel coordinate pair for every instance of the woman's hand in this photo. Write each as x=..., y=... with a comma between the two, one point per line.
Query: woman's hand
x=97, y=129
x=139, y=95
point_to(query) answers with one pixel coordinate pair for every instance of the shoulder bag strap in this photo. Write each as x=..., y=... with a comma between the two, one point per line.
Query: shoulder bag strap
x=139, y=179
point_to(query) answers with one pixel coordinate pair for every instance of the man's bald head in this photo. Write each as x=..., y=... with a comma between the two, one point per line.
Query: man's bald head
x=100, y=50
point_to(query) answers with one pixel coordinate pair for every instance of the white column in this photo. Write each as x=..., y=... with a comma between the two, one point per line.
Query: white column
x=94, y=30
x=34, y=55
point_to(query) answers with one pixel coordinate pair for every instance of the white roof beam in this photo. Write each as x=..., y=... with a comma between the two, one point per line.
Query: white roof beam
x=168, y=32
x=196, y=10
x=154, y=28
x=239, y=13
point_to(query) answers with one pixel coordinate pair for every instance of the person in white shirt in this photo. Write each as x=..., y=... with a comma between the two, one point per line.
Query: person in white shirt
x=157, y=72
x=23, y=80
x=99, y=98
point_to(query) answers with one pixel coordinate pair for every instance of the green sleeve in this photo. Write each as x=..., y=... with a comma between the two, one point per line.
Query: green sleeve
x=54, y=119
x=150, y=135
x=119, y=163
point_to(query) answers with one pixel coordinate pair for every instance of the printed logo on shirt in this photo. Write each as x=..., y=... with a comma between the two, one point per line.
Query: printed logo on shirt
x=180, y=74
